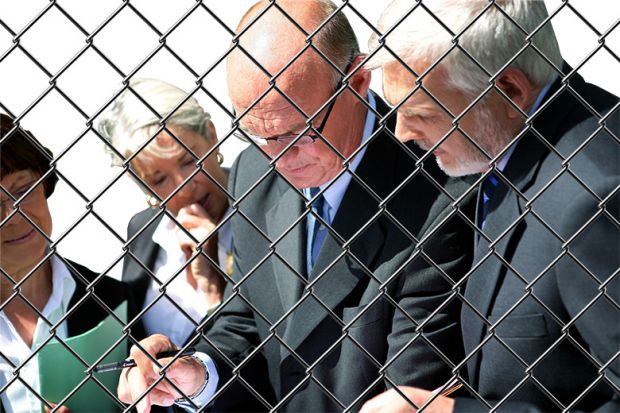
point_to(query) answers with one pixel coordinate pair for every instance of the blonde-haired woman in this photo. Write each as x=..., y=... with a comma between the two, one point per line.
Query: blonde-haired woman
x=170, y=140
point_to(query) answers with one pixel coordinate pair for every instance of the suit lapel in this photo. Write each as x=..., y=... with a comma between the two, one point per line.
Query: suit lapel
x=145, y=250
x=506, y=207
x=339, y=274
x=290, y=249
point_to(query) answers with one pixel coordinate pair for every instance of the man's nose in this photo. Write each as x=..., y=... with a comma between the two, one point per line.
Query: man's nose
x=285, y=155
x=406, y=133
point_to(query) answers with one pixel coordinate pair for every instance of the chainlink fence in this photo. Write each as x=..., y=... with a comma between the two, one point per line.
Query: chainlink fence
x=516, y=345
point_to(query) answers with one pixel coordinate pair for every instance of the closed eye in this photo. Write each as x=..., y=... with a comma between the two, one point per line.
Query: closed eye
x=159, y=181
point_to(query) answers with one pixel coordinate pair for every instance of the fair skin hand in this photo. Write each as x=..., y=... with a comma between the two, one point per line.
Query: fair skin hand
x=392, y=401
x=201, y=274
x=185, y=373
x=61, y=409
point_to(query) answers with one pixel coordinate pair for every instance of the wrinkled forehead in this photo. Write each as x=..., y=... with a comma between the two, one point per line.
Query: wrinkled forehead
x=283, y=94
x=418, y=85
x=282, y=111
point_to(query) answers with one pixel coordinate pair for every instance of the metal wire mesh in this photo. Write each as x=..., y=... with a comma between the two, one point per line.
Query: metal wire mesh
x=495, y=240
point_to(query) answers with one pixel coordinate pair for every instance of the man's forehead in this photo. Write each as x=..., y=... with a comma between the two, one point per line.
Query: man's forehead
x=401, y=82
x=278, y=111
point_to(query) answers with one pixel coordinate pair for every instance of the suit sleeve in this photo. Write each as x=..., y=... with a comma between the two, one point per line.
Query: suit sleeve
x=589, y=282
x=233, y=334
x=589, y=286
x=427, y=327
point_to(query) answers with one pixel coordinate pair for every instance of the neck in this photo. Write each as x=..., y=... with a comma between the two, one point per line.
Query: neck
x=37, y=288
x=357, y=129
x=532, y=98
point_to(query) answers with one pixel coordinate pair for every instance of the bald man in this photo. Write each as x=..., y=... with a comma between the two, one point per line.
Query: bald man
x=345, y=251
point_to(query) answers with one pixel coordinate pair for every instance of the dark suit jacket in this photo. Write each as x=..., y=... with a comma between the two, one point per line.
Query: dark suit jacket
x=87, y=313
x=549, y=314
x=374, y=291
x=140, y=259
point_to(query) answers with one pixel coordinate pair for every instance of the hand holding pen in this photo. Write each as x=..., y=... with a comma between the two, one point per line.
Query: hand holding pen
x=186, y=374
x=128, y=363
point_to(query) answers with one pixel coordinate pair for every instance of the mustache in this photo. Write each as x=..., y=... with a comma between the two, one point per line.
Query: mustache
x=424, y=144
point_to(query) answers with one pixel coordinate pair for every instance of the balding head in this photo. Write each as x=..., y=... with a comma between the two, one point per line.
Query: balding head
x=274, y=35
x=305, y=102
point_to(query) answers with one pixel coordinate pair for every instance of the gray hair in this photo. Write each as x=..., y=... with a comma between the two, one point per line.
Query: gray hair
x=493, y=40
x=128, y=123
x=337, y=38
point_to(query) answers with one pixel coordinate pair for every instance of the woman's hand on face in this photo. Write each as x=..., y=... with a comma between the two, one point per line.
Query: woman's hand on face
x=201, y=273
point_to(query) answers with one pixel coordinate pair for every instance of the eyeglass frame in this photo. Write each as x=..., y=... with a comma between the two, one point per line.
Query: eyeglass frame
x=287, y=139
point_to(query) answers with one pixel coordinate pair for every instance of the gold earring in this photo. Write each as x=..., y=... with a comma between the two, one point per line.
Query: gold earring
x=220, y=158
x=152, y=201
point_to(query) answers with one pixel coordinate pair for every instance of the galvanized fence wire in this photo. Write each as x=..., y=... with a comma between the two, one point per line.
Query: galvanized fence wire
x=457, y=286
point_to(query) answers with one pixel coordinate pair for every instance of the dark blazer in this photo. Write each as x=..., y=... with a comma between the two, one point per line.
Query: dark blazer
x=89, y=312
x=85, y=314
x=545, y=313
x=374, y=290
x=142, y=254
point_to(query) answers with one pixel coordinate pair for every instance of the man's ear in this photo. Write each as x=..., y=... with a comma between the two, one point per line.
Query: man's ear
x=521, y=91
x=360, y=81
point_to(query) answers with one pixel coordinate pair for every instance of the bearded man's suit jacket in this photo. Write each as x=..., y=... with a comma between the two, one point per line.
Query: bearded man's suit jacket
x=544, y=315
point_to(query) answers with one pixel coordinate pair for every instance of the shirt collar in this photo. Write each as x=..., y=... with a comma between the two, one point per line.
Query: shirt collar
x=164, y=232
x=541, y=96
x=63, y=287
x=335, y=192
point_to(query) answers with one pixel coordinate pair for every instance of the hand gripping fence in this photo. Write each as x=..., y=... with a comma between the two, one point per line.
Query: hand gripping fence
x=500, y=331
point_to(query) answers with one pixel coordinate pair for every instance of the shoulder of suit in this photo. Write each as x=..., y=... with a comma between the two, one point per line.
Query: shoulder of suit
x=90, y=275
x=249, y=166
x=141, y=219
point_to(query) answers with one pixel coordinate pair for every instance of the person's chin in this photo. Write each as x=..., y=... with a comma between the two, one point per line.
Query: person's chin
x=299, y=177
x=456, y=168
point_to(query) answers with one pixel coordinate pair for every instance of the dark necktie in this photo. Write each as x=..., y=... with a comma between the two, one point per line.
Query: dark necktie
x=316, y=231
x=488, y=188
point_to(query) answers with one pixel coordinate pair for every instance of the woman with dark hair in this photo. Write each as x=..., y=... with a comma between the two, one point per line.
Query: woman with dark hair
x=37, y=286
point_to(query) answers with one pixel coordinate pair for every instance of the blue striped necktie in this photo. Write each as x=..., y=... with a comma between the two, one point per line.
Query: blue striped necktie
x=316, y=231
x=488, y=188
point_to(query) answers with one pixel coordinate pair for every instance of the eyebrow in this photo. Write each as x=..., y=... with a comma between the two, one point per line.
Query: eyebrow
x=18, y=183
x=185, y=153
x=301, y=127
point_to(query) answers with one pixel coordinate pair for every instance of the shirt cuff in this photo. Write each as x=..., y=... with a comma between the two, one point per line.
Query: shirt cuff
x=206, y=394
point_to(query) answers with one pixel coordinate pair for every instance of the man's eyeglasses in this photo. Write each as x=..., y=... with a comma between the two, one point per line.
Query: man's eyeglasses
x=308, y=137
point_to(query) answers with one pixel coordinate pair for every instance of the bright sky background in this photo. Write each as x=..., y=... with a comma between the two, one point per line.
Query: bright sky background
x=201, y=41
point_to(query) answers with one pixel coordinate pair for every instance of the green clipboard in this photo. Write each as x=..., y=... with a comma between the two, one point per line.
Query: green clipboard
x=60, y=371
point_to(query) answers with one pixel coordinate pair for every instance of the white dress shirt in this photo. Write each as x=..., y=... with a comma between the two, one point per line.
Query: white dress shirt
x=17, y=398
x=333, y=197
x=164, y=317
x=334, y=194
